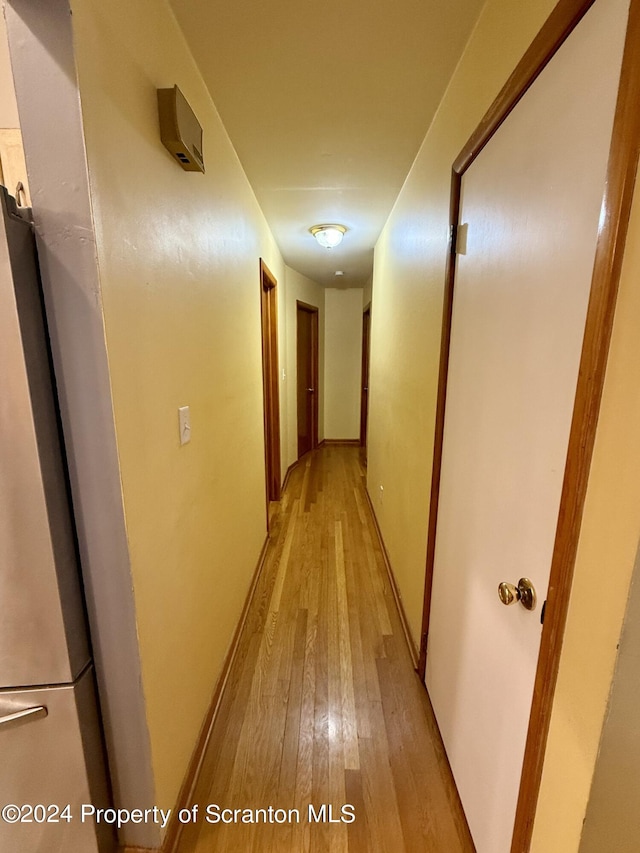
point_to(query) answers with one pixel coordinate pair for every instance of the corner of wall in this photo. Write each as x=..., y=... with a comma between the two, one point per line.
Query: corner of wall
x=44, y=71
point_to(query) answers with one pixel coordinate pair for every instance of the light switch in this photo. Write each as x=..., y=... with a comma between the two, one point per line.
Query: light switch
x=184, y=422
x=461, y=238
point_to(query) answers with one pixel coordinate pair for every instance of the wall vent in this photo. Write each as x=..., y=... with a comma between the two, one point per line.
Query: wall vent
x=180, y=130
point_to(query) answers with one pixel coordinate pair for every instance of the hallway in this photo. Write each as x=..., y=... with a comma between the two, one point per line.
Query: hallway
x=322, y=704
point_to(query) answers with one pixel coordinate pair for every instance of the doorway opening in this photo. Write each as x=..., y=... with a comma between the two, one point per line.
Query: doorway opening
x=269, y=314
x=307, y=376
x=364, y=391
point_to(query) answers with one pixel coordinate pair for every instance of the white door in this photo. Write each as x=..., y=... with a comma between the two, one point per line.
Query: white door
x=532, y=202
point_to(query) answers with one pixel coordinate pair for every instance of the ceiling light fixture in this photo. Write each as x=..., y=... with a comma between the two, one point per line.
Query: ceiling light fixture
x=328, y=236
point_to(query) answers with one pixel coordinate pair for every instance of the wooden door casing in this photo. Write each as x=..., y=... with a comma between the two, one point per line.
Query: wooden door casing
x=307, y=376
x=269, y=316
x=364, y=391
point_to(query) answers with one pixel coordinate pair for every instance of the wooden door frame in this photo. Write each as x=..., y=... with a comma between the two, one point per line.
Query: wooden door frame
x=619, y=186
x=366, y=359
x=271, y=396
x=314, y=311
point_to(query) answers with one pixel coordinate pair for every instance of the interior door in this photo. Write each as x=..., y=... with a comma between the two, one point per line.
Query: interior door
x=532, y=203
x=364, y=394
x=270, y=379
x=307, y=372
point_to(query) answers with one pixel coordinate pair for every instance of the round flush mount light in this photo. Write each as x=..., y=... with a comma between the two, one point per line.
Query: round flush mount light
x=328, y=236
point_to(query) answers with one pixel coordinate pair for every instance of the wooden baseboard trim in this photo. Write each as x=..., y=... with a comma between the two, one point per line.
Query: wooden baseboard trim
x=174, y=829
x=413, y=648
x=339, y=441
x=288, y=474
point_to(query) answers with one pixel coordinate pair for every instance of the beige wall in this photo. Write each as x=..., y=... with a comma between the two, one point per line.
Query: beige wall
x=343, y=362
x=407, y=292
x=178, y=255
x=300, y=288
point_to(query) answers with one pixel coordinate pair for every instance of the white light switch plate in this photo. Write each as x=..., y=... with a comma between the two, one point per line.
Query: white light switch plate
x=184, y=423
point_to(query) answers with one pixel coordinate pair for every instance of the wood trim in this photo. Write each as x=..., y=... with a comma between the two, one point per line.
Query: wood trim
x=445, y=348
x=174, y=829
x=364, y=376
x=267, y=278
x=558, y=26
x=413, y=648
x=271, y=395
x=315, y=346
x=620, y=183
x=339, y=441
x=290, y=470
x=315, y=365
x=619, y=187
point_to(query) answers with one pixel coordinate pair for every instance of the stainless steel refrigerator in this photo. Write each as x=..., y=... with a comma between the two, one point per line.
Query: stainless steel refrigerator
x=51, y=750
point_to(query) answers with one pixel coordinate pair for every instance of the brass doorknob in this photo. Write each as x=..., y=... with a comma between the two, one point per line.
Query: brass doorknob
x=524, y=593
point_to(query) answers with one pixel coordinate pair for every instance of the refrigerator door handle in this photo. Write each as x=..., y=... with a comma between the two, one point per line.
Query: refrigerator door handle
x=18, y=717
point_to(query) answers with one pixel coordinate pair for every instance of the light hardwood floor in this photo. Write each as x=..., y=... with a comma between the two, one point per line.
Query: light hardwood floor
x=322, y=703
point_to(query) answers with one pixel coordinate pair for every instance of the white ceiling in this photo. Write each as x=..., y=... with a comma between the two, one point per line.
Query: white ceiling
x=326, y=104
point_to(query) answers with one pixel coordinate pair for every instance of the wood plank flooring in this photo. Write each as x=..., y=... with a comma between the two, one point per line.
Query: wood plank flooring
x=322, y=705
